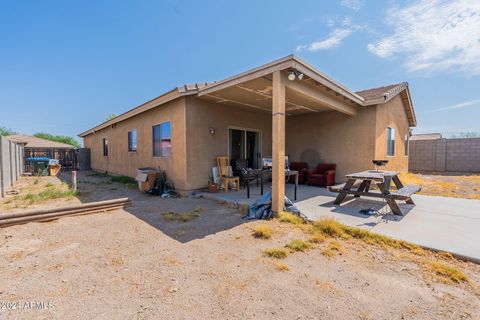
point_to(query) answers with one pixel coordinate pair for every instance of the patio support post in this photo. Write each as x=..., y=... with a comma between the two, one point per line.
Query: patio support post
x=278, y=142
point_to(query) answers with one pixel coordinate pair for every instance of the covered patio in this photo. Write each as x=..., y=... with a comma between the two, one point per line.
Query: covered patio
x=288, y=88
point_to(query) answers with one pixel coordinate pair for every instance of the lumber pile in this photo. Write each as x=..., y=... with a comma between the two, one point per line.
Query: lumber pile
x=9, y=219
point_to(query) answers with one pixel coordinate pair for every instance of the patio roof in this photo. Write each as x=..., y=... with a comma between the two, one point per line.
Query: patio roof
x=316, y=92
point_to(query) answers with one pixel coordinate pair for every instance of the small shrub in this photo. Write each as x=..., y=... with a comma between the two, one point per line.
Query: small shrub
x=45, y=195
x=329, y=227
x=262, y=232
x=98, y=174
x=289, y=217
x=243, y=207
x=117, y=261
x=445, y=272
x=282, y=266
x=332, y=249
x=180, y=217
x=48, y=185
x=298, y=245
x=333, y=228
x=124, y=179
x=277, y=253
x=317, y=238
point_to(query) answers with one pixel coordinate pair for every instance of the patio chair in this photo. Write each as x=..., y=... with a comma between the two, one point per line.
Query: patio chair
x=223, y=174
x=302, y=168
x=323, y=175
x=241, y=166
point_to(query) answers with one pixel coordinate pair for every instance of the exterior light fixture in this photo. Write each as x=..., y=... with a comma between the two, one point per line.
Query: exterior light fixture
x=291, y=75
x=294, y=74
x=211, y=131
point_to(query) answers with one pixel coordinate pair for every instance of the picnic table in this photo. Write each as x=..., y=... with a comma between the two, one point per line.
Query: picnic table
x=358, y=184
x=261, y=172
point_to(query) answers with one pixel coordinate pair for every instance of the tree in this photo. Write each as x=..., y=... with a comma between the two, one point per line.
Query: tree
x=63, y=139
x=110, y=117
x=6, y=132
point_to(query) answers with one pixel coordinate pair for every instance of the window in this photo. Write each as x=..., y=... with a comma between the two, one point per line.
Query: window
x=105, y=147
x=407, y=144
x=132, y=140
x=162, y=140
x=390, y=141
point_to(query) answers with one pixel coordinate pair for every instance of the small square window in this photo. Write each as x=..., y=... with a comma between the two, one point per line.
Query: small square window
x=132, y=140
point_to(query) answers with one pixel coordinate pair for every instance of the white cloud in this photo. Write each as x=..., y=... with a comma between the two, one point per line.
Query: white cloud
x=345, y=28
x=333, y=40
x=434, y=35
x=352, y=4
x=461, y=105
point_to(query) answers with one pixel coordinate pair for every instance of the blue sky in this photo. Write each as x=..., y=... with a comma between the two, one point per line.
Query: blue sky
x=66, y=65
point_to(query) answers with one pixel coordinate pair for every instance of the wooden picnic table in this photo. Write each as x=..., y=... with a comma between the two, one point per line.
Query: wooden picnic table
x=383, y=180
x=261, y=172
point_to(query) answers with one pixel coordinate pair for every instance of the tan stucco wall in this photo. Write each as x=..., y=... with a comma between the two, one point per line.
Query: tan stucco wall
x=392, y=114
x=203, y=148
x=351, y=142
x=120, y=161
x=333, y=137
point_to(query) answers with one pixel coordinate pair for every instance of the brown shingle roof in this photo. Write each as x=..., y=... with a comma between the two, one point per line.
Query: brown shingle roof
x=34, y=142
x=377, y=93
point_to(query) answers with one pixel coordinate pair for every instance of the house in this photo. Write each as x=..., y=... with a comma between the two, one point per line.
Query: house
x=38, y=147
x=283, y=107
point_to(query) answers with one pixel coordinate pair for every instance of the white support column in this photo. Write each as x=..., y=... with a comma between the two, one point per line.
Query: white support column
x=278, y=142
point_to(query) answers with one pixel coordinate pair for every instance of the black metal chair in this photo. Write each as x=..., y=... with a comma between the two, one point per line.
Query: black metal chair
x=246, y=176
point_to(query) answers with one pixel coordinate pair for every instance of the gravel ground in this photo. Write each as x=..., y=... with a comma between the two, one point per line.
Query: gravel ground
x=135, y=264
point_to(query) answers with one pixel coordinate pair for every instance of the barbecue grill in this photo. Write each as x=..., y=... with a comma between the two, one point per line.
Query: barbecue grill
x=379, y=163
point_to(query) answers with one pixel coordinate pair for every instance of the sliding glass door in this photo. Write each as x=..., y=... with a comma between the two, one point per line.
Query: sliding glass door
x=245, y=144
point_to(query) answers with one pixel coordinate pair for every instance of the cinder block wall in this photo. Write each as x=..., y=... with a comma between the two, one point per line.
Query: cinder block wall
x=462, y=155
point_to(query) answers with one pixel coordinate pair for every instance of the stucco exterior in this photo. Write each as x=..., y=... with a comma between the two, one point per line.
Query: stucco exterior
x=121, y=161
x=392, y=114
x=203, y=147
x=351, y=142
x=332, y=137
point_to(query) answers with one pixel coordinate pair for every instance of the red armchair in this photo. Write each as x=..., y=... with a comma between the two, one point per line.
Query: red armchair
x=302, y=168
x=323, y=175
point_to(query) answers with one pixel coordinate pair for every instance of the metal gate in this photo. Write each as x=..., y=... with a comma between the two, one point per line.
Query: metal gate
x=67, y=158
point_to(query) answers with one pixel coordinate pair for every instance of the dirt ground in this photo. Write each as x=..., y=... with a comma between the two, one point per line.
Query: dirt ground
x=456, y=185
x=138, y=264
x=91, y=187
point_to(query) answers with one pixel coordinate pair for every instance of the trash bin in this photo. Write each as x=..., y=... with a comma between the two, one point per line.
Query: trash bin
x=40, y=165
x=146, y=178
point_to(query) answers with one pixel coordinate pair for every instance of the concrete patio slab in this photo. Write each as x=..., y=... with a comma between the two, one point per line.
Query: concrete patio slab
x=441, y=223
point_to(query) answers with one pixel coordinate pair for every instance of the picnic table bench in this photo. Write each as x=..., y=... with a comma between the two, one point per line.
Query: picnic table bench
x=358, y=184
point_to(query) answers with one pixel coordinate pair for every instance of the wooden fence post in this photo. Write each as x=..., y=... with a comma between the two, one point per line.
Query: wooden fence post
x=74, y=180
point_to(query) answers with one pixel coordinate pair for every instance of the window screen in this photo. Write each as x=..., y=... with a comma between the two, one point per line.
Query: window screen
x=132, y=140
x=162, y=140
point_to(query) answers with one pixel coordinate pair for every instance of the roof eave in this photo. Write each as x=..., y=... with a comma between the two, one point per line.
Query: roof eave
x=398, y=90
x=290, y=61
x=155, y=102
